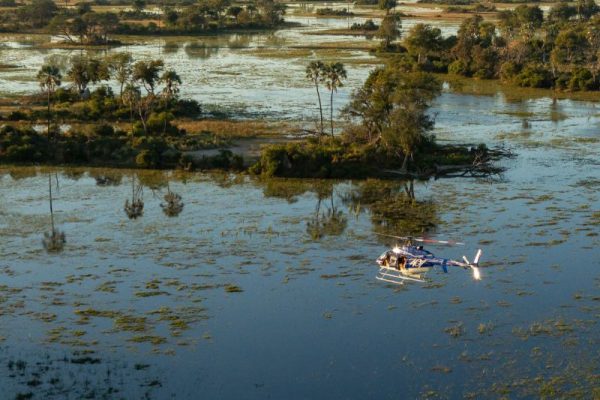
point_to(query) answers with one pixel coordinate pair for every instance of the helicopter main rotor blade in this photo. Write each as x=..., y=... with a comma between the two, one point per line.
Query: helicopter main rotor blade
x=394, y=236
x=424, y=240
x=448, y=242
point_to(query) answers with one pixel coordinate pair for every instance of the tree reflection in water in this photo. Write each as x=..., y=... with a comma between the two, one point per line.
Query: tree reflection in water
x=331, y=222
x=393, y=208
x=173, y=204
x=54, y=240
x=135, y=208
x=391, y=205
x=107, y=177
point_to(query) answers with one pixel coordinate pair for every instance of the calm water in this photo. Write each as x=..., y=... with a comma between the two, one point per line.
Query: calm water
x=311, y=319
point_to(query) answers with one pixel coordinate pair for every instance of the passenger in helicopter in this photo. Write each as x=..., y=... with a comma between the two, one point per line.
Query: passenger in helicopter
x=401, y=263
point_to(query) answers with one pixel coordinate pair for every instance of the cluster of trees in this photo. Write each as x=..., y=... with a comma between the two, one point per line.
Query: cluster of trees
x=389, y=29
x=147, y=90
x=36, y=14
x=368, y=25
x=328, y=11
x=148, y=97
x=218, y=14
x=391, y=128
x=82, y=25
x=525, y=47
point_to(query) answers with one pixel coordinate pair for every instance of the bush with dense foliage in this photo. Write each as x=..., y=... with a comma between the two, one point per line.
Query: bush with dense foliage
x=560, y=50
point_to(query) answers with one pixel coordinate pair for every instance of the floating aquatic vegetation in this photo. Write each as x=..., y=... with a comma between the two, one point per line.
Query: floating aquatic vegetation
x=233, y=289
x=152, y=339
x=455, y=330
x=485, y=328
x=441, y=368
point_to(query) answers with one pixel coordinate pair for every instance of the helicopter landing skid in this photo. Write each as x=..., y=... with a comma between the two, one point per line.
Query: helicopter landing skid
x=392, y=275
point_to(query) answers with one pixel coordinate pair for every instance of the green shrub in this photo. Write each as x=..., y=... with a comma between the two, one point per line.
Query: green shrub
x=328, y=158
x=102, y=130
x=17, y=116
x=582, y=79
x=186, y=108
x=535, y=76
x=508, y=71
x=459, y=67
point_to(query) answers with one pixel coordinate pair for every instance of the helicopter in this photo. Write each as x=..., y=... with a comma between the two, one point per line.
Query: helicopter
x=410, y=262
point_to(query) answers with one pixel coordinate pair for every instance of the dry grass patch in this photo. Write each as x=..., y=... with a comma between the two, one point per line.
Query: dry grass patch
x=234, y=129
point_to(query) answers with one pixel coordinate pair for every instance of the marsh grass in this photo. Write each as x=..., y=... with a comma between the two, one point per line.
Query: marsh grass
x=229, y=129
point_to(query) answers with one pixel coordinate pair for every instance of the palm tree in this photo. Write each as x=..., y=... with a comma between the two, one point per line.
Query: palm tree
x=315, y=72
x=55, y=240
x=120, y=65
x=171, y=80
x=131, y=97
x=49, y=78
x=334, y=73
x=251, y=8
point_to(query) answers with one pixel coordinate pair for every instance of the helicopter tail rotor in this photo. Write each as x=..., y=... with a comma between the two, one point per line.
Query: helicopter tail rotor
x=477, y=257
x=474, y=265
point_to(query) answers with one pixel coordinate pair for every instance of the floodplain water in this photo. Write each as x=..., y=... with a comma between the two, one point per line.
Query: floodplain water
x=266, y=288
x=151, y=306
x=240, y=75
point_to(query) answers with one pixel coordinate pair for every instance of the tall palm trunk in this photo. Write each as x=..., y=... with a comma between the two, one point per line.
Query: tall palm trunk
x=320, y=105
x=48, y=114
x=405, y=163
x=331, y=111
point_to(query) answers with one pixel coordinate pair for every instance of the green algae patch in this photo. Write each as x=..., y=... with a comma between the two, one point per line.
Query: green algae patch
x=108, y=287
x=90, y=312
x=233, y=289
x=151, y=293
x=485, y=328
x=456, y=330
x=130, y=323
x=152, y=339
